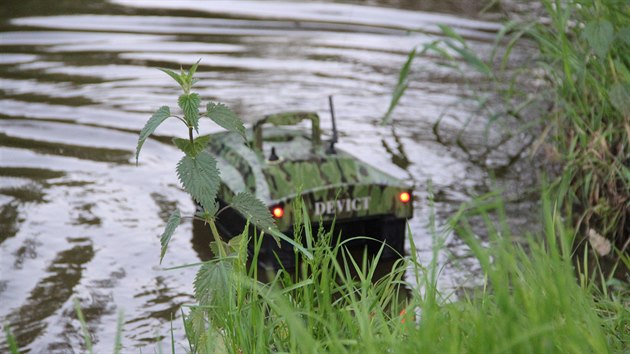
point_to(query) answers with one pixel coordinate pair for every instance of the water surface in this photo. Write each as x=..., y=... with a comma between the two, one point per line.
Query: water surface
x=79, y=220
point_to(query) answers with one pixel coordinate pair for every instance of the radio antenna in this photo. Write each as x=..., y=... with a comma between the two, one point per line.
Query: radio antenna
x=331, y=147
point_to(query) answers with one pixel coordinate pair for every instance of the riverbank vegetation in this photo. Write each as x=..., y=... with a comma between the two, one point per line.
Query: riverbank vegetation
x=585, y=55
x=530, y=301
x=577, y=84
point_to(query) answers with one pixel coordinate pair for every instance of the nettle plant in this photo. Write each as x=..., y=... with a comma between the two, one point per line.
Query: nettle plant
x=219, y=282
x=197, y=170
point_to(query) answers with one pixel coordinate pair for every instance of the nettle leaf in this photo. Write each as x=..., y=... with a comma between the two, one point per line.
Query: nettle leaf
x=195, y=327
x=257, y=213
x=156, y=119
x=171, y=225
x=189, y=103
x=230, y=248
x=200, y=178
x=174, y=75
x=620, y=98
x=225, y=118
x=236, y=242
x=254, y=210
x=192, y=71
x=215, y=248
x=194, y=148
x=212, y=285
x=599, y=34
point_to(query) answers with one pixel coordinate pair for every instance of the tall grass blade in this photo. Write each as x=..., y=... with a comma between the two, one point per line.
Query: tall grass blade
x=84, y=327
x=119, y=331
x=13, y=347
x=401, y=86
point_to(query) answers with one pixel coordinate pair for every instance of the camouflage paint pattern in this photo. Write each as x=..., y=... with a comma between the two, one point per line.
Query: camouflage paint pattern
x=287, y=118
x=331, y=185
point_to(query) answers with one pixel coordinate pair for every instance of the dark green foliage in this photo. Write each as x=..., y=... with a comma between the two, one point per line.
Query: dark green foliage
x=156, y=119
x=197, y=170
x=200, y=178
x=624, y=35
x=225, y=118
x=171, y=225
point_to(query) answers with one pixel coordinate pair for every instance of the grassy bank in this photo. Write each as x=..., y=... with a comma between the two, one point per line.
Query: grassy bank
x=530, y=301
x=573, y=94
x=585, y=54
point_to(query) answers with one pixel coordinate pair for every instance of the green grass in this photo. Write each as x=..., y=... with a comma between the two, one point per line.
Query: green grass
x=583, y=60
x=530, y=302
x=532, y=299
x=10, y=338
x=586, y=56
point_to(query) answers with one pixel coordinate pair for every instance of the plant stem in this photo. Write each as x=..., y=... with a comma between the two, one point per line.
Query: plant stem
x=190, y=134
x=180, y=119
x=217, y=239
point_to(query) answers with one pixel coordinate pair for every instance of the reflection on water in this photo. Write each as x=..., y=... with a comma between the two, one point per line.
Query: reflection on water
x=51, y=292
x=78, y=82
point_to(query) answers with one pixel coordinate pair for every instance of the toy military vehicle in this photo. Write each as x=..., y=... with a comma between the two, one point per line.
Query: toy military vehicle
x=334, y=185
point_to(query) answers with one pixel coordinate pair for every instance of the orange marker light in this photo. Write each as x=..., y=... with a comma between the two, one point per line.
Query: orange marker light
x=404, y=197
x=277, y=212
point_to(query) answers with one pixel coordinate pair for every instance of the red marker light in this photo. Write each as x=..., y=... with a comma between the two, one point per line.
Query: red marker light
x=277, y=212
x=404, y=197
